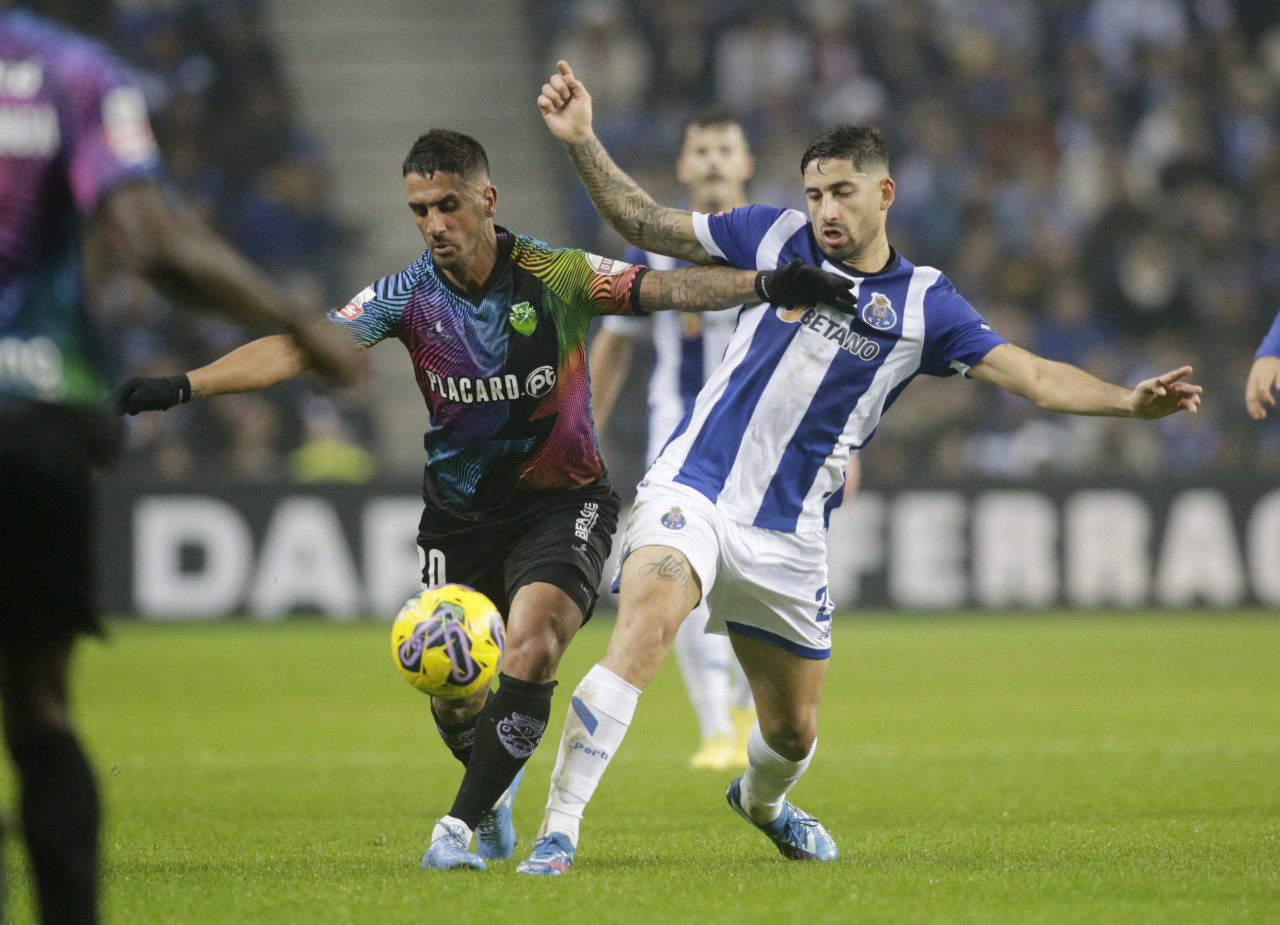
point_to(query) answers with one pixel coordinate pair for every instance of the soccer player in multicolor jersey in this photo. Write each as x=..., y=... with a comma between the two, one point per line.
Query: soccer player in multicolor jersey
x=735, y=506
x=517, y=500
x=1264, y=375
x=76, y=149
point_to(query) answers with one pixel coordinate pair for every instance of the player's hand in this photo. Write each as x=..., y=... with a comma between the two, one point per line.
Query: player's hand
x=152, y=394
x=566, y=106
x=328, y=351
x=1264, y=376
x=800, y=283
x=1164, y=395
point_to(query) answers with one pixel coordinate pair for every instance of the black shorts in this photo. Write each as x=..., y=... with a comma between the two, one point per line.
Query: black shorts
x=560, y=538
x=47, y=457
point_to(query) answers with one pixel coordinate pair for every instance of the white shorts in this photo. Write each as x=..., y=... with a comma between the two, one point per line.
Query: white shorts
x=765, y=584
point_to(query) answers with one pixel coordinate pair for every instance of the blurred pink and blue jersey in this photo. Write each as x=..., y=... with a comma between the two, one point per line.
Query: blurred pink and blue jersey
x=503, y=371
x=770, y=435
x=73, y=127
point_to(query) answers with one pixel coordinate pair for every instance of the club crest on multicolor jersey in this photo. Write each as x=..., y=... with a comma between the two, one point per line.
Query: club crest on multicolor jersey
x=523, y=318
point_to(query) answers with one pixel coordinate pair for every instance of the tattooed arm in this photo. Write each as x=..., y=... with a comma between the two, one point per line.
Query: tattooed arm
x=697, y=289
x=633, y=213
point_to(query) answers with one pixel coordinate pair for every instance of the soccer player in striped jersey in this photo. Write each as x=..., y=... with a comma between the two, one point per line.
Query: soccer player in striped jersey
x=735, y=506
x=715, y=163
x=1264, y=375
x=518, y=504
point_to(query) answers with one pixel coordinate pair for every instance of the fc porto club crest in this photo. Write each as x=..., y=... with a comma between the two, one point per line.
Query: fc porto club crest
x=879, y=313
x=673, y=519
x=523, y=318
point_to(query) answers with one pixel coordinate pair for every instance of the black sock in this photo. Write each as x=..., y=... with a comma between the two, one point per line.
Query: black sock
x=459, y=737
x=510, y=727
x=60, y=824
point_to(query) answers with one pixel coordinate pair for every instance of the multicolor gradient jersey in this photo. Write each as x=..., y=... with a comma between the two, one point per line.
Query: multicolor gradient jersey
x=503, y=371
x=73, y=127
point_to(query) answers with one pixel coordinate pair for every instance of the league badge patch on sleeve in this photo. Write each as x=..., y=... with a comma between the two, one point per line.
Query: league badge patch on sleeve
x=355, y=308
x=607, y=266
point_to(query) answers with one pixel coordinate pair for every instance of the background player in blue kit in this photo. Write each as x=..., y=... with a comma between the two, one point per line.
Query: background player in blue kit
x=715, y=163
x=1264, y=375
x=78, y=150
x=734, y=508
x=518, y=503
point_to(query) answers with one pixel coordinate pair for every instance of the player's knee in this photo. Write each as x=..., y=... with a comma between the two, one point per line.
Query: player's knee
x=533, y=657
x=792, y=740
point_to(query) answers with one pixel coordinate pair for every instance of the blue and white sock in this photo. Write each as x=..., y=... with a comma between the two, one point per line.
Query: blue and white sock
x=599, y=715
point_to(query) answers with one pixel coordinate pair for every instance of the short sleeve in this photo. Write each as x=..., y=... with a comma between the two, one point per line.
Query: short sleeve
x=108, y=137
x=734, y=237
x=612, y=285
x=956, y=336
x=1271, y=343
x=369, y=318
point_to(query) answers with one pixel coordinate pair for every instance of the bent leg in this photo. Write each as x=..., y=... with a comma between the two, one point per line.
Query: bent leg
x=787, y=689
x=542, y=622
x=659, y=589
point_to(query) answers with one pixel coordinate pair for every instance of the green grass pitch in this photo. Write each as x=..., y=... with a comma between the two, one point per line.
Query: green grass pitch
x=1052, y=768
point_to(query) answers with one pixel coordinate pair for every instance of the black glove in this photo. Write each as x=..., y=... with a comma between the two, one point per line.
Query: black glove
x=800, y=283
x=158, y=394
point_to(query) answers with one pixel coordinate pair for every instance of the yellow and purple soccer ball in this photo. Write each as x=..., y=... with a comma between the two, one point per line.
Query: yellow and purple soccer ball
x=448, y=641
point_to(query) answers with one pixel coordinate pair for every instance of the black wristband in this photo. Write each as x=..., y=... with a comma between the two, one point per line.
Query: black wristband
x=758, y=282
x=633, y=293
x=181, y=386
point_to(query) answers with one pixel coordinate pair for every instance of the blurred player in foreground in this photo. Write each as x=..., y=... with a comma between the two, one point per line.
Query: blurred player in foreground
x=735, y=506
x=77, y=150
x=518, y=504
x=1264, y=375
x=715, y=163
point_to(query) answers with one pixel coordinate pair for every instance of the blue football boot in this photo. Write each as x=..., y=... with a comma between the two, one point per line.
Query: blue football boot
x=449, y=849
x=798, y=835
x=496, y=833
x=552, y=855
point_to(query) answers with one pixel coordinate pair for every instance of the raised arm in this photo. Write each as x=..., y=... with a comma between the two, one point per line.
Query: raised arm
x=633, y=213
x=256, y=365
x=192, y=264
x=1061, y=387
x=1264, y=375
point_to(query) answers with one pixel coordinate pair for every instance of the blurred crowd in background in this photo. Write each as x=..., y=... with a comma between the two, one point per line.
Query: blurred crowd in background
x=1100, y=178
x=238, y=161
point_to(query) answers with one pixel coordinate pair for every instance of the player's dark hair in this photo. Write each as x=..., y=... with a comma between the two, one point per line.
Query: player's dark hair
x=451, y=152
x=709, y=118
x=861, y=145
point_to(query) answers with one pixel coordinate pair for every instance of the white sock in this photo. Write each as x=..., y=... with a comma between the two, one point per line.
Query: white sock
x=452, y=822
x=768, y=778
x=704, y=665
x=599, y=714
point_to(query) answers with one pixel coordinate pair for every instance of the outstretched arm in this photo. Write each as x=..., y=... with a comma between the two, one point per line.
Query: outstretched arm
x=256, y=365
x=633, y=213
x=699, y=289
x=190, y=263
x=1061, y=387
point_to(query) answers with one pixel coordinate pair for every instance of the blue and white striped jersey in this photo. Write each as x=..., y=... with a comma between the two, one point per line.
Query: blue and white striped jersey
x=687, y=346
x=770, y=434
